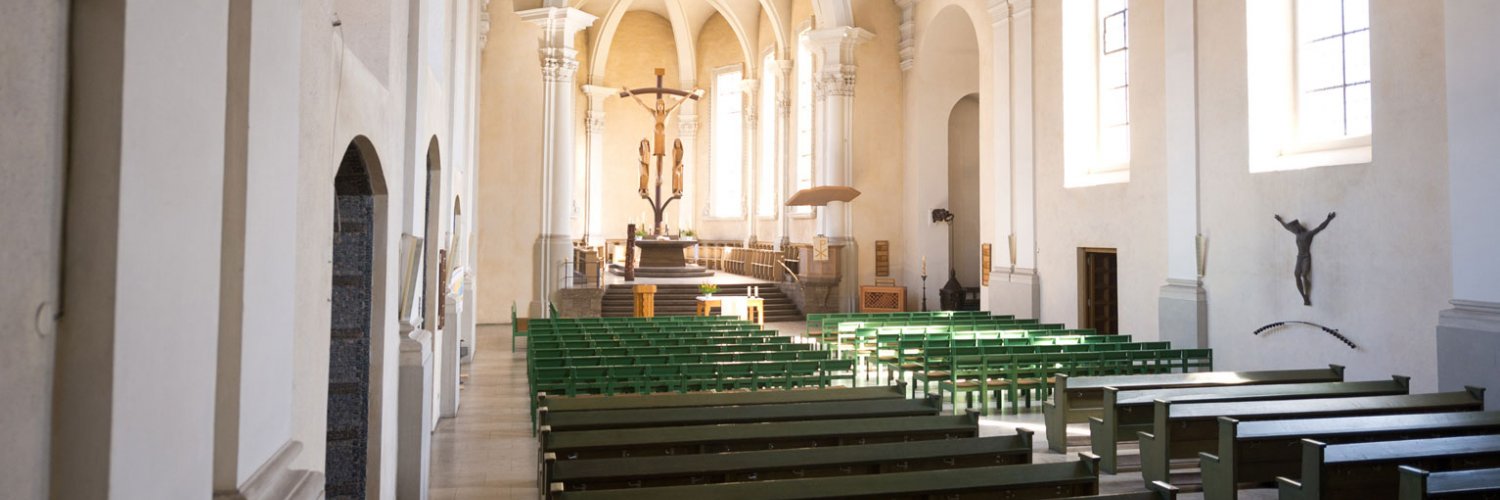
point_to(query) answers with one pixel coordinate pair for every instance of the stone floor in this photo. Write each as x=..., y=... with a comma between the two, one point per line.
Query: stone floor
x=488, y=452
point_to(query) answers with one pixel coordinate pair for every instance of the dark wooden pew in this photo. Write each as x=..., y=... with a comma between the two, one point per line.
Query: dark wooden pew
x=1185, y=430
x=1076, y=399
x=672, y=417
x=1418, y=484
x=1127, y=412
x=615, y=473
x=1367, y=471
x=1258, y=452
x=687, y=440
x=1056, y=480
x=702, y=399
x=1155, y=490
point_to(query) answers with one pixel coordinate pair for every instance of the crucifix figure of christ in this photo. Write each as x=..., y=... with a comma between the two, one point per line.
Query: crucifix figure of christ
x=1303, y=272
x=658, y=148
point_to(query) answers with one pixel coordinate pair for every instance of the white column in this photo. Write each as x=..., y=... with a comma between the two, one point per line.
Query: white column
x=1017, y=291
x=750, y=87
x=999, y=207
x=1468, y=335
x=687, y=130
x=558, y=57
x=1182, y=306
x=594, y=155
x=835, y=80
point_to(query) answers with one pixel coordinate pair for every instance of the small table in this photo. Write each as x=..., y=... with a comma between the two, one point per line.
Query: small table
x=749, y=308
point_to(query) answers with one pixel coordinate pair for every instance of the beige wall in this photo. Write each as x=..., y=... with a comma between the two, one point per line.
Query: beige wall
x=876, y=140
x=510, y=155
x=963, y=188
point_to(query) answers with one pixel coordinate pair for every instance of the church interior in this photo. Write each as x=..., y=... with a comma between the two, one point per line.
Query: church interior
x=749, y=249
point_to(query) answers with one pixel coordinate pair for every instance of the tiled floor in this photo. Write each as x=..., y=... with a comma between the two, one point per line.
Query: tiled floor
x=488, y=451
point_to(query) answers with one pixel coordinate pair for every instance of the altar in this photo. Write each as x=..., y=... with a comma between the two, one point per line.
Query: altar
x=666, y=259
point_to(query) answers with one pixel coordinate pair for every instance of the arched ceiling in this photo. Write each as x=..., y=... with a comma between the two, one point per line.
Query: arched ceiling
x=688, y=18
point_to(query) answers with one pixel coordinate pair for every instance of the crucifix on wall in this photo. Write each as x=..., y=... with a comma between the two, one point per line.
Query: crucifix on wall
x=657, y=149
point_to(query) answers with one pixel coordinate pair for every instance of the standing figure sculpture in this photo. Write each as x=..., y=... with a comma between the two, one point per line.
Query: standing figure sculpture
x=1303, y=272
x=658, y=148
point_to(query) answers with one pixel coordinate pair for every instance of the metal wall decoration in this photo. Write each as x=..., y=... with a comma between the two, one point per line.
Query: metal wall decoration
x=1331, y=331
x=882, y=258
x=1303, y=271
x=984, y=264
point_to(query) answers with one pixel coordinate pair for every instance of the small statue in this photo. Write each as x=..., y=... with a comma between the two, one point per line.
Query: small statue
x=1303, y=272
x=677, y=167
x=645, y=166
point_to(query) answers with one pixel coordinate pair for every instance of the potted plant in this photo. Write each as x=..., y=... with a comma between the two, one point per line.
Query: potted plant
x=689, y=233
x=708, y=289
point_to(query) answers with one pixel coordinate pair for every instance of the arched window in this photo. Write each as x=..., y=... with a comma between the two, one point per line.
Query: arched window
x=804, y=118
x=1096, y=93
x=728, y=160
x=765, y=205
x=1114, y=84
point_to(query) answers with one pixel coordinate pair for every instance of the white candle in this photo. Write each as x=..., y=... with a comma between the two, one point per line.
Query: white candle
x=924, y=265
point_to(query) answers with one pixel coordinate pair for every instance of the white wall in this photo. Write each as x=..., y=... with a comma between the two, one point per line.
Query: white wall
x=34, y=36
x=963, y=188
x=1381, y=268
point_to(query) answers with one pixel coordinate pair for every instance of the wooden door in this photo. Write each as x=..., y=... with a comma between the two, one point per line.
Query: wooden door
x=1098, y=290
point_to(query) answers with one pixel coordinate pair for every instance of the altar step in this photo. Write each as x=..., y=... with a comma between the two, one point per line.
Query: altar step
x=682, y=300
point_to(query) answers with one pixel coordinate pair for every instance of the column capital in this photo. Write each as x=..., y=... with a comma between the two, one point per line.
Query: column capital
x=555, y=47
x=836, y=73
x=907, y=46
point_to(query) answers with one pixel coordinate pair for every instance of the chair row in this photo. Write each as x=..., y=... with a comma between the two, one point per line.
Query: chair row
x=727, y=332
x=659, y=350
x=1022, y=374
x=677, y=359
x=660, y=342
x=644, y=379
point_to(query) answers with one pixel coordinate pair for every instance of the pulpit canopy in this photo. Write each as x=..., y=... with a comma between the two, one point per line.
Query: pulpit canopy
x=822, y=195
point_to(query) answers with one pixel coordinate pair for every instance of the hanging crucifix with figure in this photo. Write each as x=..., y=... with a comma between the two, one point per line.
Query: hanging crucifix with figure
x=658, y=148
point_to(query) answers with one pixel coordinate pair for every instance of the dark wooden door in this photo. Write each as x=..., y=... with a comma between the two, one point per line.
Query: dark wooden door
x=1099, y=290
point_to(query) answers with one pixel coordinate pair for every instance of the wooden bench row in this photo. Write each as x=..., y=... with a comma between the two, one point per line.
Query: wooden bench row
x=1183, y=431
x=1125, y=413
x=1257, y=452
x=1076, y=399
x=1021, y=374
x=573, y=380
x=1418, y=484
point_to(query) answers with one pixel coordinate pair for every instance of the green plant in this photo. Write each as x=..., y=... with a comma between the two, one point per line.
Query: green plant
x=640, y=233
x=708, y=288
x=689, y=233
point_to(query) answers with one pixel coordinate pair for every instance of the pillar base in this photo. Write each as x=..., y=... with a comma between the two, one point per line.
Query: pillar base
x=276, y=479
x=1468, y=340
x=1182, y=309
x=1017, y=292
x=414, y=416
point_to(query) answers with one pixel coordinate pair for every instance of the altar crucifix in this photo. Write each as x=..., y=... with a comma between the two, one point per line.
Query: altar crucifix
x=658, y=148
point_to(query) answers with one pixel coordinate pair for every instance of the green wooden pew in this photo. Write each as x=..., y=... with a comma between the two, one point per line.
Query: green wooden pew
x=1031, y=481
x=1418, y=484
x=1126, y=413
x=1075, y=399
x=1021, y=374
x=1368, y=471
x=1185, y=430
x=1258, y=452
x=676, y=417
x=650, y=472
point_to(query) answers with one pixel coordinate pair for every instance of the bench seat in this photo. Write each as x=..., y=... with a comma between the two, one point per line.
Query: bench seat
x=614, y=473
x=1418, y=484
x=1056, y=480
x=1368, y=471
x=1257, y=452
x=671, y=417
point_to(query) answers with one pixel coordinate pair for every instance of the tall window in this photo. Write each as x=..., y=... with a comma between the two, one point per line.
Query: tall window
x=1114, y=84
x=1333, y=69
x=727, y=147
x=766, y=199
x=804, y=177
